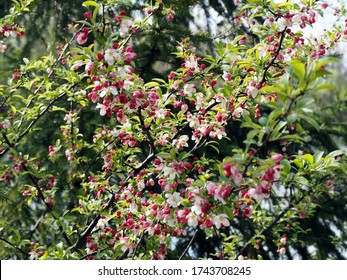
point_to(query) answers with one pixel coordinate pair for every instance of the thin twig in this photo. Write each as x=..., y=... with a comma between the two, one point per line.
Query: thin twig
x=189, y=244
x=14, y=246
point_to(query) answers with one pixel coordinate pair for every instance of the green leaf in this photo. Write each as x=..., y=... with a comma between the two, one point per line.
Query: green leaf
x=336, y=153
x=309, y=158
x=292, y=118
x=263, y=121
x=310, y=121
x=317, y=156
x=228, y=210
x=298, y=162
x=297, y=70
x=90, y=3
x=270, y=89
x=302, y=180
x=151, y=85
x=325, y=86
x=286, y=166
x=29, y=201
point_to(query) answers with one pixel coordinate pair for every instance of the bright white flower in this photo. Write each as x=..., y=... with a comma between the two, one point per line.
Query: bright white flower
x=173, y=199
x=163, y=138
x=238, y=112
x=252, y=92
x=69, y=118
x=284, y=22
x=122, y=72
x=262, y=51
x=10, y=33
x=112, y=56
x=160, y=114
x=126, y=245
x=282, y=251
x=6, y=124
x=69, y=154
x=102, y=223
x=170, y=172
x=127, y=194
x=175, y=85
x=199, y=100
x=189, y=89
x=192, y=220
x=34, y=255
x=111, y=89
x=89, y=66
x=277, y=168
x=219, y=133
x=257, y=194
x=102, y=108
x=219, y=220
x=141, y=185
x=181, y=142
x=297, y=19
x=192, y=63
x=124, y=27
x=193, y=121
x=196, y=208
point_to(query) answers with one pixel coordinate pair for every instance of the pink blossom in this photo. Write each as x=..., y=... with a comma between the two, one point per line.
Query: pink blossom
x=82, y=36
x=226, y=76
x=277, y=157
x=89, y=67
x=247, y=212
x=3, y=47
x=232, y=171
x=103, y=109
x=181, y=142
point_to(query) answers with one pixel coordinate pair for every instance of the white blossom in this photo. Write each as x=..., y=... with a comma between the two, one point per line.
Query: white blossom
x=219, y=220
x=112, y=56
x=173, y=199
x=170, y=172
x=102, y=223
x=192, y=220
x=124, y=27
x=189, y=89
x=34, y=255
x=102, y=108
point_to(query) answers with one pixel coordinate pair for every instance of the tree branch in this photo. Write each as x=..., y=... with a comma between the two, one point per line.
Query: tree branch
x=189, y=244
x=14, y=246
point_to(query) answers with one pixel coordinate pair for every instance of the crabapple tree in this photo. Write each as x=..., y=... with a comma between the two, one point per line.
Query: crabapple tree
x=112, y=166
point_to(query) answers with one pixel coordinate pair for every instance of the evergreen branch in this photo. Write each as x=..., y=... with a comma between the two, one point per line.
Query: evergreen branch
x=3, y=195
